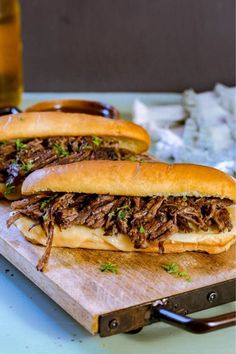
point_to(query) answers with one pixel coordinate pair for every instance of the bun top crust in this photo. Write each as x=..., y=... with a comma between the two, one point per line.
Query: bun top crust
x=46, y=124
x=132, y=179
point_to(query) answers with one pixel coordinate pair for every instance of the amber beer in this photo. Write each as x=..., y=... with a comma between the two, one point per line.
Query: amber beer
x=10, y=53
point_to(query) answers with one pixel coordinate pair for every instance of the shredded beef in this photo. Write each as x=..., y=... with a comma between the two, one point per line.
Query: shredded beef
x=7, y=154
x=48, y=227
x=146, y=220
x=7, y=150
x=18, y=158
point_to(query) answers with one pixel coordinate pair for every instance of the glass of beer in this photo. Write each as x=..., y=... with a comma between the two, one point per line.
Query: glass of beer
x=10, y=54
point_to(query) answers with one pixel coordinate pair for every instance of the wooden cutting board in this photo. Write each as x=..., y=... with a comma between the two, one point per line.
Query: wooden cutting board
x=74, y=281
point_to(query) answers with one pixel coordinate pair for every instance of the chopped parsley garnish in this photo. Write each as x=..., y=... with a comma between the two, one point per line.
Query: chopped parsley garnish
x=97, y=141
x=122, y=212
x=141, y=229
x=44, y=203
x=20, y=145
x=45, y=216
x=87, y=147
x=60, y=151
x=26, y=167
x=10, y=188
x=109, y=267
x=173, y=268
x=132, y=158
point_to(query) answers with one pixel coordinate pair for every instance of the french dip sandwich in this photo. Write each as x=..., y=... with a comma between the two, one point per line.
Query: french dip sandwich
x=128, y=206
x=30, y=141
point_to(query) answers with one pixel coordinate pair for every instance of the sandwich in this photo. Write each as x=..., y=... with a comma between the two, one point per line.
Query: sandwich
x=30, y=141
x=127, y=206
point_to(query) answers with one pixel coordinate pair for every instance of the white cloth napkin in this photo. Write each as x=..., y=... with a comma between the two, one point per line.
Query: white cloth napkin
x=208, y=136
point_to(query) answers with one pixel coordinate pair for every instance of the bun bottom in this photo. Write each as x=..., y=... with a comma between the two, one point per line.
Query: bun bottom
x=84, y=237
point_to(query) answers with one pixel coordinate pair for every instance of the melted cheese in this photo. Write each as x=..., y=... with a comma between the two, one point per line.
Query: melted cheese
x=210, y=235
x=85, y=237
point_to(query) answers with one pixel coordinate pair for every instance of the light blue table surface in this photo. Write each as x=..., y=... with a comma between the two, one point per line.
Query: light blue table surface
x=30, y=322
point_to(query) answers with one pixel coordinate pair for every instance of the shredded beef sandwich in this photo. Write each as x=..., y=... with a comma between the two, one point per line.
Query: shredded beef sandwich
x=30, y=141
x=127, y=206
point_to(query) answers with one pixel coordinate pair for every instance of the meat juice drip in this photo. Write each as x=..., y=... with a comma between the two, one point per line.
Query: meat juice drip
x=10, y=53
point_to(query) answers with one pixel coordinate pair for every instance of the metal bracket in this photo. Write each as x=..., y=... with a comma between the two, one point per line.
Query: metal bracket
x=132, y=319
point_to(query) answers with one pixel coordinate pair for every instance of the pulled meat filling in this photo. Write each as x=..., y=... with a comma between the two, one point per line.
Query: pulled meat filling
x=18, y=158
x=144, y=219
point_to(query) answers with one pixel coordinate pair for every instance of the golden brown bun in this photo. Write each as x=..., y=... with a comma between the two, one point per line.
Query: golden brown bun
x=14, y=195
x=45, y=124
x=11, y=196
x=132, y=179
x=84, y=237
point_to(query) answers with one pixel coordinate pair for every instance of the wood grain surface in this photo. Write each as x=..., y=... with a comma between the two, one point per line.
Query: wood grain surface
x=74, y=281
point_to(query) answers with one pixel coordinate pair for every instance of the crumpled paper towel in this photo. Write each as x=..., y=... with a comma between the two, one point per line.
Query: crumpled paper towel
x=208, y=136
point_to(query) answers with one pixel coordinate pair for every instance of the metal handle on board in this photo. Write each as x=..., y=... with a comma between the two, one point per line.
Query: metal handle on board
x=194, y=325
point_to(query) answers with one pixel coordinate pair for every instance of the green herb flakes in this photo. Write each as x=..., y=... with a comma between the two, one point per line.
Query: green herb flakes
x=122, y=212
x=109, y=267
x=60, y=151
x=44, y=203
x=132, y=158
x=27, y=167
x=141, y=229
x=87, y=147
x=97, y=141
x=10, y=188
x=45, y=216
x=19, y=145
x=173, y=268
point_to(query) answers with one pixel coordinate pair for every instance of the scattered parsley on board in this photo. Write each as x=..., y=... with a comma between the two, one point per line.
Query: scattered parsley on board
x=109, y=268
x=173, y=269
